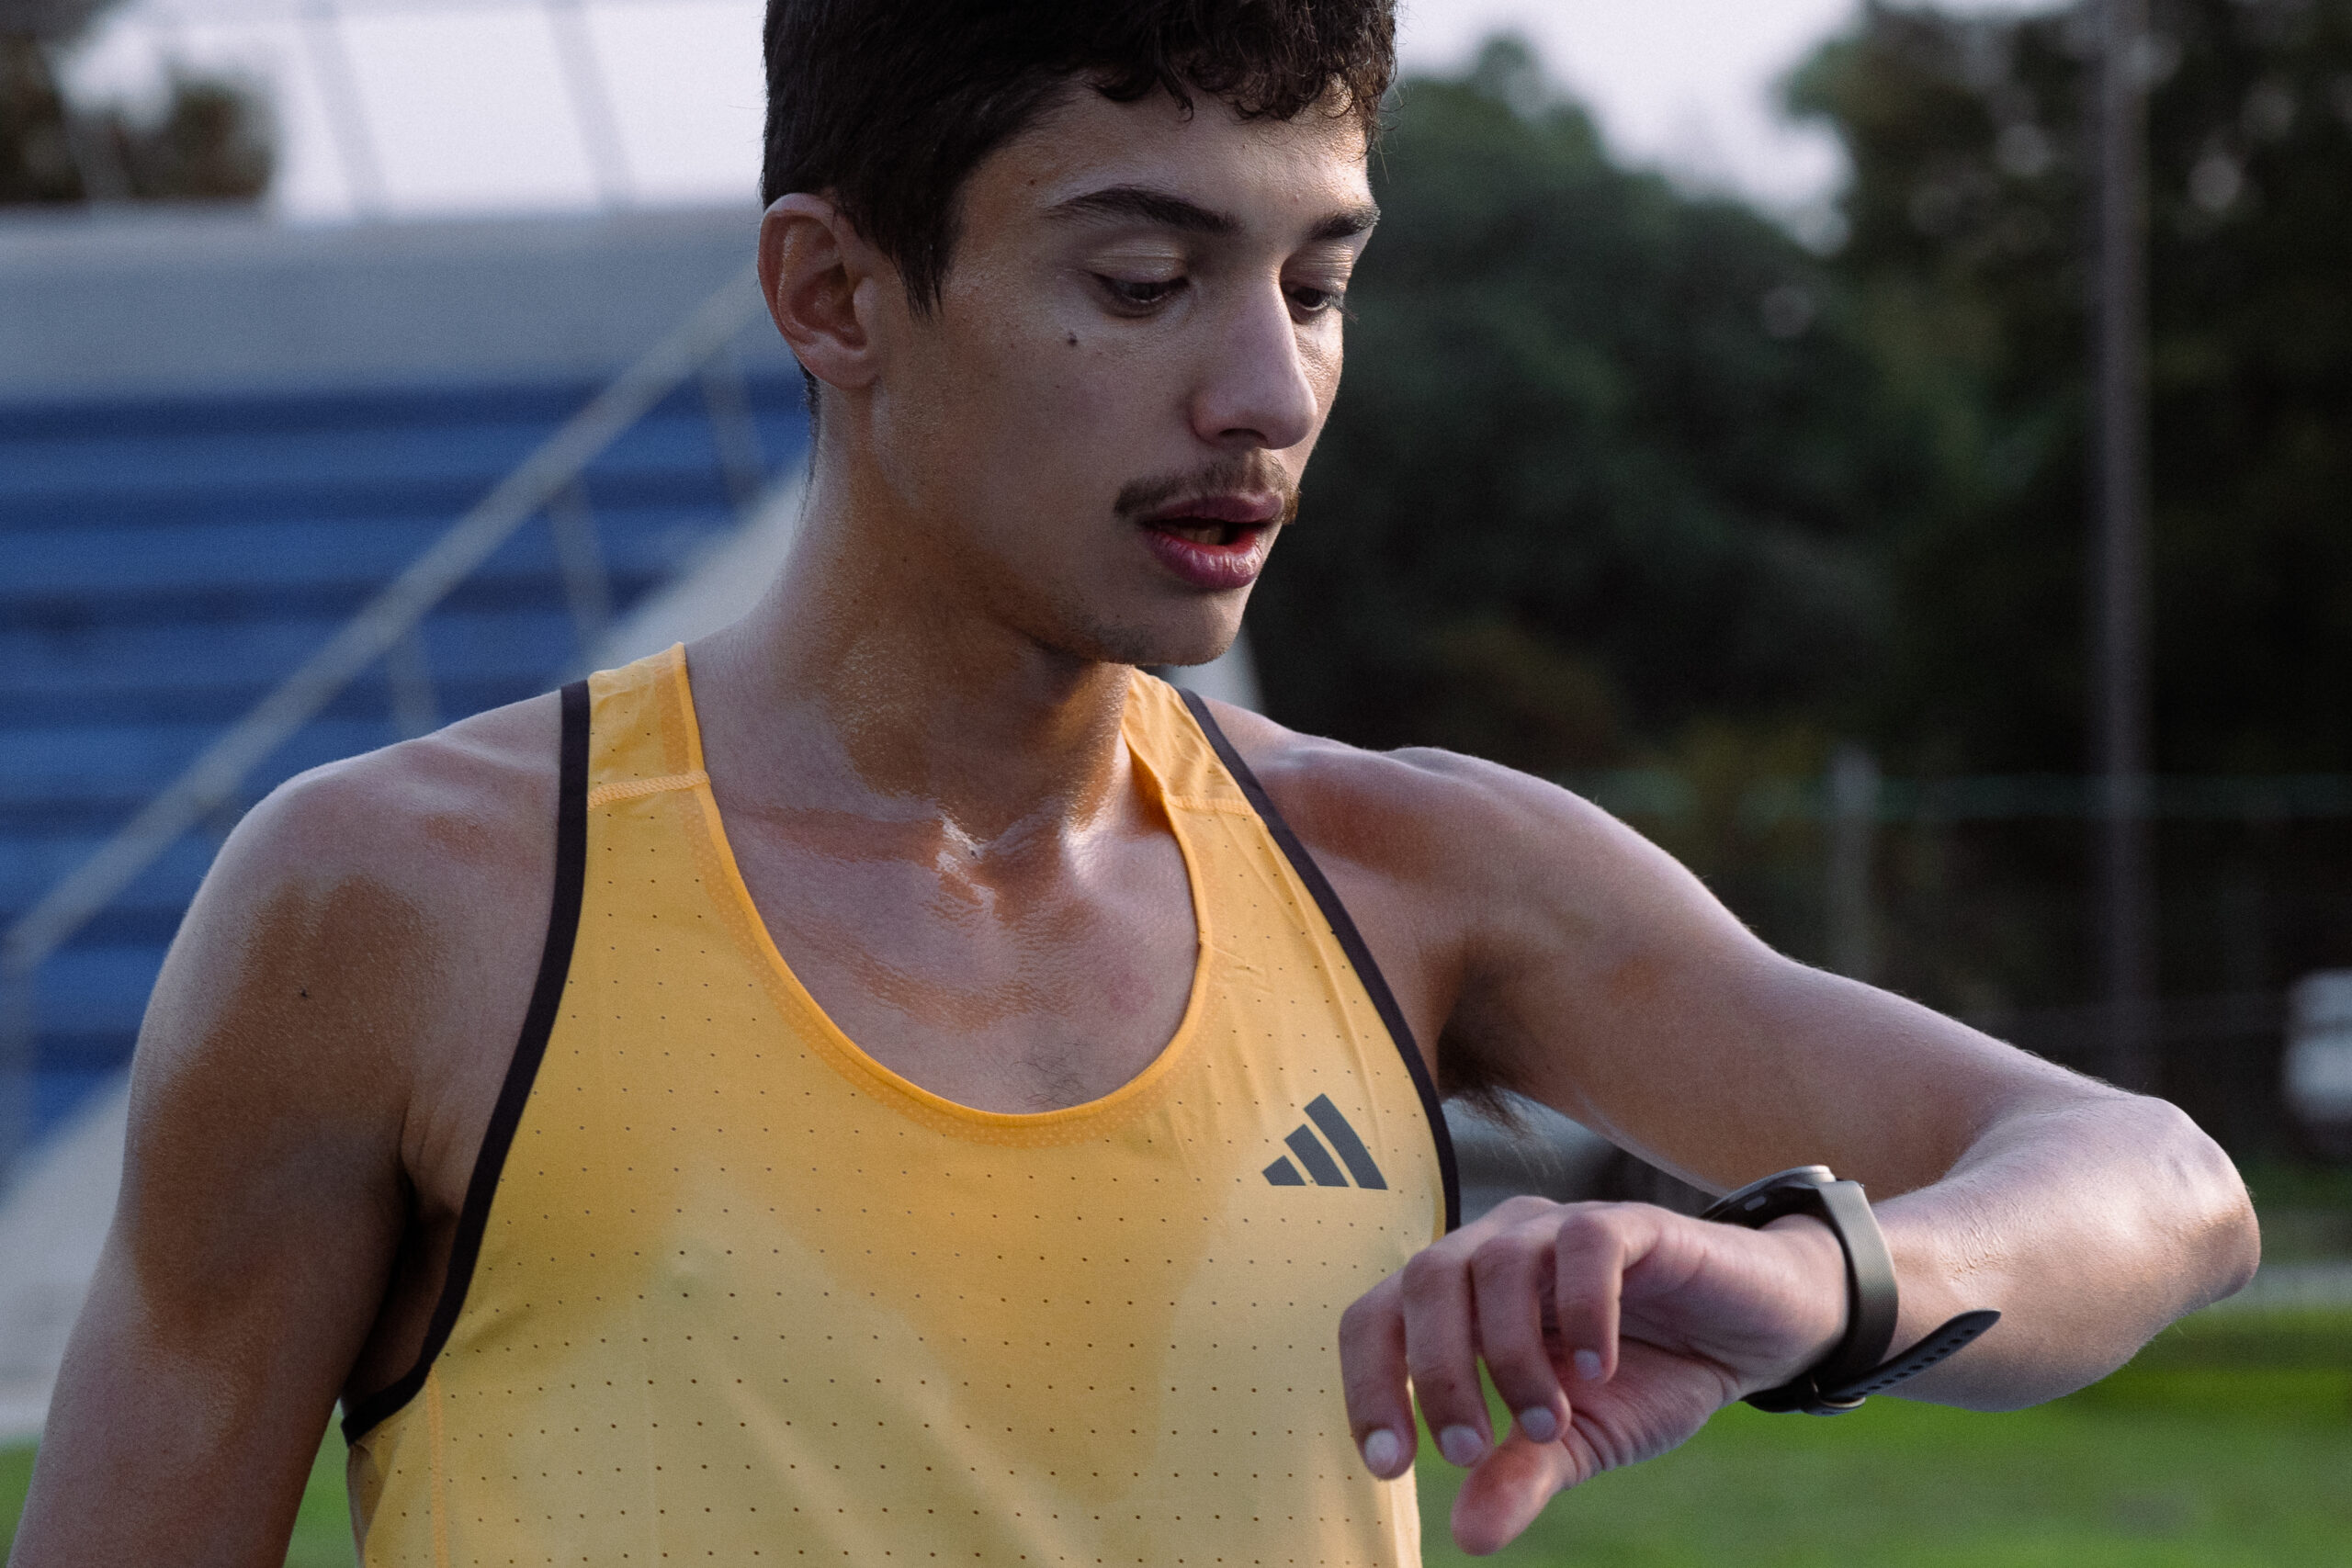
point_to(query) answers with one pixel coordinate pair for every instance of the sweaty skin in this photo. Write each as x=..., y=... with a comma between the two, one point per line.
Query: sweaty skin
x=311, y=1083
x=1072, y=462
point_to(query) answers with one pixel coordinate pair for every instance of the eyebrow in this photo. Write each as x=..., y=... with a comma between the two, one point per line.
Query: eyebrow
x=1344, y=225
x=1168, y=210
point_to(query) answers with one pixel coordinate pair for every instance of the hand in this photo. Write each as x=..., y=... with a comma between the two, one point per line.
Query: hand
x=1613, y=1330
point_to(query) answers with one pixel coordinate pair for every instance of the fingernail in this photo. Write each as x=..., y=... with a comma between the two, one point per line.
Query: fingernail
x=1540, y=1424
x=1381, y=1451
x=1461, y=1445
x=1589, y=1365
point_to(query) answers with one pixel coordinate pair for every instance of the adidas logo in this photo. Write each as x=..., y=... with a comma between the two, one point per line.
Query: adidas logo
x=1321, y=1168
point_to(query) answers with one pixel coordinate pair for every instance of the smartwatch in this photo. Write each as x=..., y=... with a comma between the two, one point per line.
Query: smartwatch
x=1853, y=1369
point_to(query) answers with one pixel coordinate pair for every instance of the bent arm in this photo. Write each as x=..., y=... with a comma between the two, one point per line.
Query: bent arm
x=261, y=1208
x=2089, y=1226
x=1606, y=981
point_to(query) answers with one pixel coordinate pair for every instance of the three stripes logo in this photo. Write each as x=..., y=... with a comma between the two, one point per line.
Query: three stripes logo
x=1321, y=1168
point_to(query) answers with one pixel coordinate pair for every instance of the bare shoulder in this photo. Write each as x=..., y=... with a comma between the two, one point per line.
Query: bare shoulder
x=407, y=879
x=1507, y=913
x=1440, y=822
x=366, y=933
x=433, y=814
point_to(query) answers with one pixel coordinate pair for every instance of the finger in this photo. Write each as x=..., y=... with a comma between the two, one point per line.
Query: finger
x=1596, y=1243
x=1441, y=1351
x=1510, y=1274
x=1371, y=1373
x=1502, y=1496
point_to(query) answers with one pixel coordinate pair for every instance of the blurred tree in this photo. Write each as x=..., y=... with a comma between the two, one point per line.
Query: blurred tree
x=209, y=140
x=1608, y=458
x=1623, y=474
x=1966, y=262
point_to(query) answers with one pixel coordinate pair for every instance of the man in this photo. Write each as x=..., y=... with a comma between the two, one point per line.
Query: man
x=963, y=1093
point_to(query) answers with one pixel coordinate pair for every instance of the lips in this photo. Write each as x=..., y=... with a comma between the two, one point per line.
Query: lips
x=1217, y=542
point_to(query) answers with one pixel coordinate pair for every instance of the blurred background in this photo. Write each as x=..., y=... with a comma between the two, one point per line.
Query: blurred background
x=1895, y=456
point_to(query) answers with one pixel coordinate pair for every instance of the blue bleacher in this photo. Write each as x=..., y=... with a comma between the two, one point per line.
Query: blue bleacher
x=168, y=561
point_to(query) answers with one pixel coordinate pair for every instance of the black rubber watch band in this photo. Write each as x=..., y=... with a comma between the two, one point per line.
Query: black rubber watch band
x=1852, y=1370
x=1953, y=1335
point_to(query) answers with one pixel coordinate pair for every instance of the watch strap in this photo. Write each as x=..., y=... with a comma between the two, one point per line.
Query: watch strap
x=1853, y=1369
x=1954, y=1335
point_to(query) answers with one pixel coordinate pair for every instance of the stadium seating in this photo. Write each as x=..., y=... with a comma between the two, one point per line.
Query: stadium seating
x=169, y=560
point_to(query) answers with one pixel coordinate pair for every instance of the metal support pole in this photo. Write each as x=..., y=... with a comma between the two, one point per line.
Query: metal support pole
x=363, y=171
x=2120, y=725
x=591, y=101
x=222, y=770
x=579, y=559
x=415, y=710
x=1853, y=831
x=89, y=139
x=19, y=1050
x=728, y=400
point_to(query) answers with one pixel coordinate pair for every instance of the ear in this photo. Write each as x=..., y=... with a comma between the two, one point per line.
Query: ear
x=819, y=278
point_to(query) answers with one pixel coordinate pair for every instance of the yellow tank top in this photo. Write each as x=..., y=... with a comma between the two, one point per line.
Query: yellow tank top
x=727, y=1290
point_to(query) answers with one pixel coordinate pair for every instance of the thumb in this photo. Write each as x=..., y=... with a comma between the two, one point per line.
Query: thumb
x=1502, y=1494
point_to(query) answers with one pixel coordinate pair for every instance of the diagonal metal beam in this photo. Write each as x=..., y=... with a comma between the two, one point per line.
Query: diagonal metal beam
x=215, y=776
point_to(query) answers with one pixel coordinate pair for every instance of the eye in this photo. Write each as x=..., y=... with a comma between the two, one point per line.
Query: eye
x=1308, y=301
x=1135, y=296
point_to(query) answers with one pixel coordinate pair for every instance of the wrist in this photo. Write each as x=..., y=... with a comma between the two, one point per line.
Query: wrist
x=1933, y=1290
x=1853, y=1369
x=1817, y=1263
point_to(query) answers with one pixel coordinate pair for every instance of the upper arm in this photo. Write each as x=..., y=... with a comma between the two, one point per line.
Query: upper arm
x=1561, y=954
x=1609, y=982
x=268, y=1176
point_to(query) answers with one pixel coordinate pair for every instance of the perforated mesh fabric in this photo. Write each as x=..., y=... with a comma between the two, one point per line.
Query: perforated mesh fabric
x=745, y=1295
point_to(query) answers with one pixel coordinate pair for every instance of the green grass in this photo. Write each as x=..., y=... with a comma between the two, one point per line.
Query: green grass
x=1898, y=1485
x=16, y=1474
x=322, y=1529
x=2227, y=1444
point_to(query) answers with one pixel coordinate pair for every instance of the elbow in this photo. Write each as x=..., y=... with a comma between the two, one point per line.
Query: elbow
x=2218, y=1233
x=2237, y=1246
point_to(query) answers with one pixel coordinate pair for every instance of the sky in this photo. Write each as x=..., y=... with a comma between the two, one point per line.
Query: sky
x=467, y=106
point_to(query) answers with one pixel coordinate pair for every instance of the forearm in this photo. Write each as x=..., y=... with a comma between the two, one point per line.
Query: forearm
x=2089, y=1223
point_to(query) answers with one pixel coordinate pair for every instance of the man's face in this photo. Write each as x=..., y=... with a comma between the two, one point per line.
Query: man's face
x=1136, y=345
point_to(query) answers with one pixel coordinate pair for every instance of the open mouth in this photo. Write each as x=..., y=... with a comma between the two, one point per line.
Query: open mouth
x=1208, y=532
x=1213, y=539
x=1210, y=554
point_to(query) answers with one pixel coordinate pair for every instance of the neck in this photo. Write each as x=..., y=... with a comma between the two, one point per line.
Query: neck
x=872, y=679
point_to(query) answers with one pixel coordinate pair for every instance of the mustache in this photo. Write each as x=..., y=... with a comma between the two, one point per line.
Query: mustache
x=1255, y=471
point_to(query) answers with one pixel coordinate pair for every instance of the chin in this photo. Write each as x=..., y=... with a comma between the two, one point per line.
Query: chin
x=1193, y=634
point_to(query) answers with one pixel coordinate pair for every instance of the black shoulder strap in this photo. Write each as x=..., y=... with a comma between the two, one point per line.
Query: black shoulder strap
x=547, y=996
x=1343, y=929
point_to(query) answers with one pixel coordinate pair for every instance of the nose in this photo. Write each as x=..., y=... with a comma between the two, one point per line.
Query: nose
x=1256, y=390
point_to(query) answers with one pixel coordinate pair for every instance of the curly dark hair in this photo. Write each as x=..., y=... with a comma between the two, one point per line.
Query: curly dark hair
x=887, y=105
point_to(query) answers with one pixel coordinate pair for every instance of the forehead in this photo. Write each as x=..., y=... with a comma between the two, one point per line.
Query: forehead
x=1270, y=174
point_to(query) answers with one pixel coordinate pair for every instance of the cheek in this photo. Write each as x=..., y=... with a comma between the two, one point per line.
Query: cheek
x=1060, y=387
x=1026, y=437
